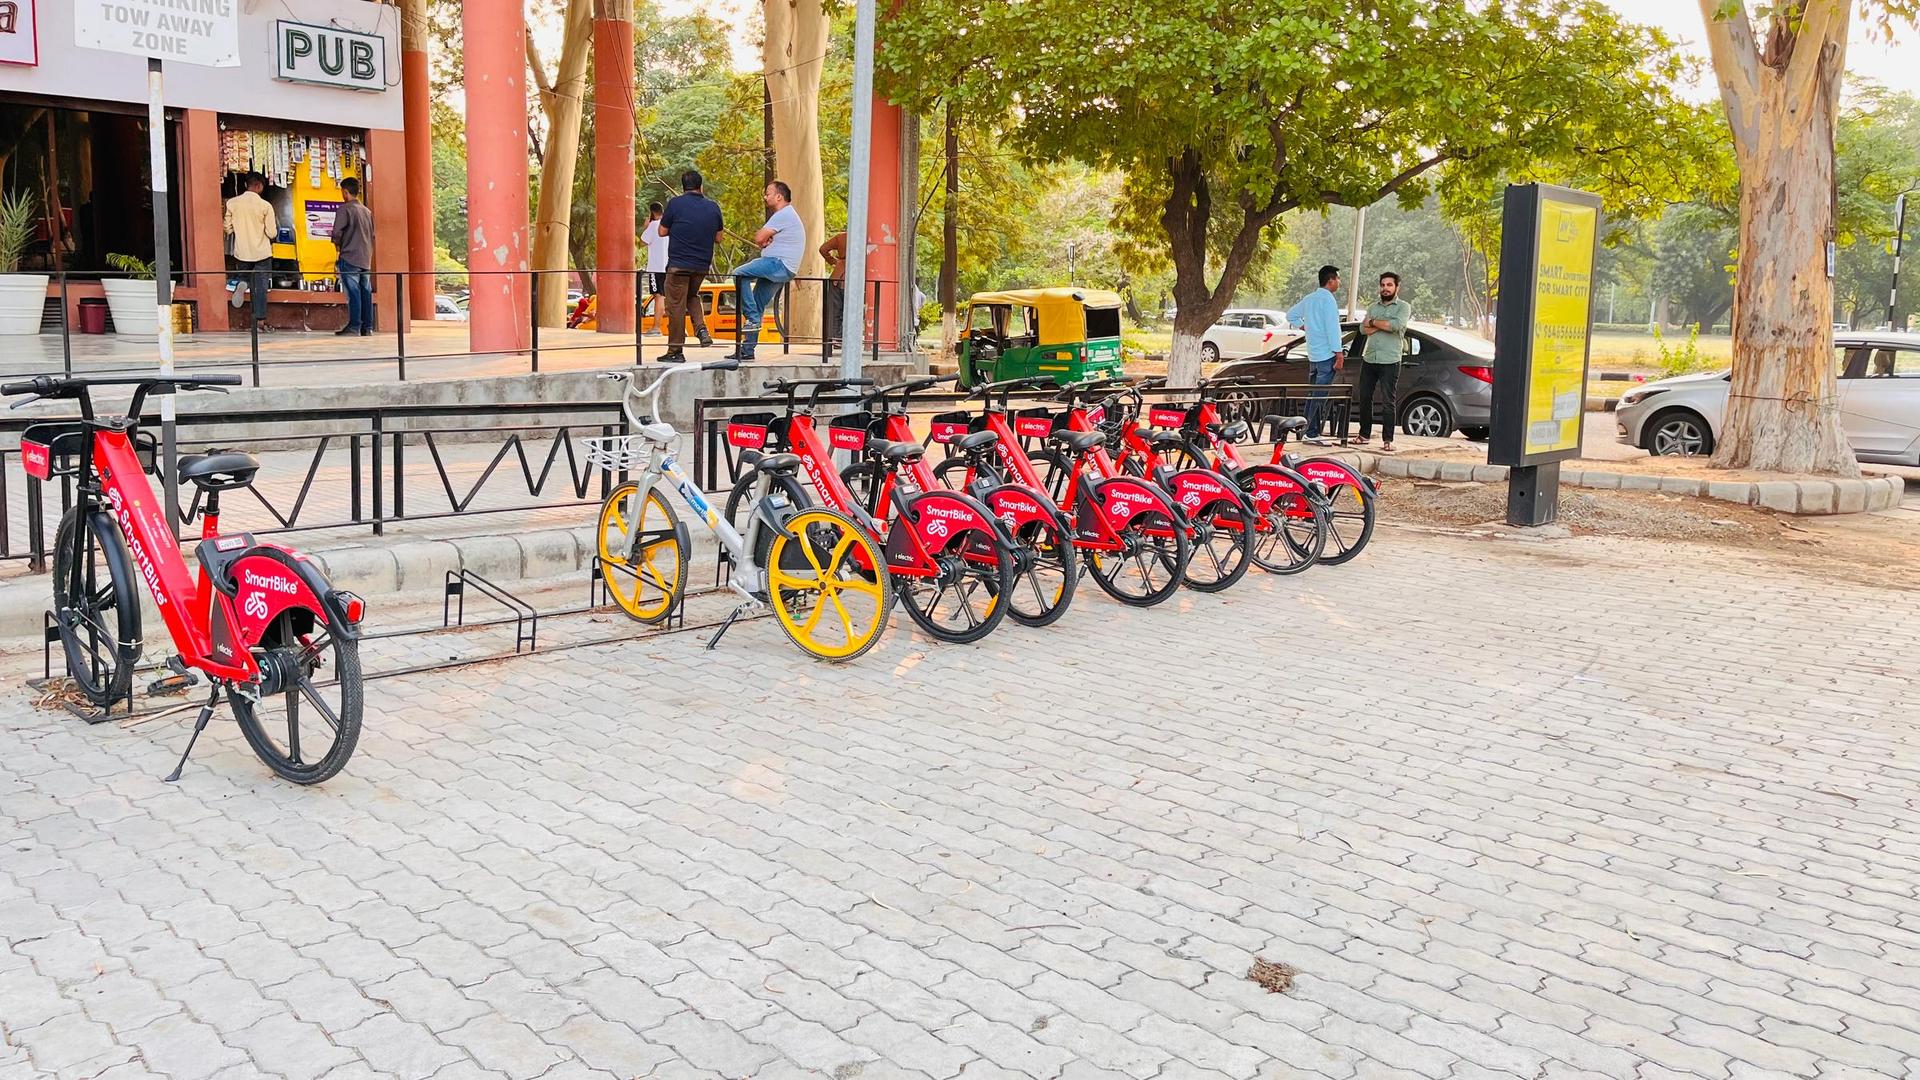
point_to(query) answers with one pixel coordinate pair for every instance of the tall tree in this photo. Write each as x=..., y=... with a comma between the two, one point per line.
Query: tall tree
x=1224, y=116
x=1779, y=68
x=563, y=95
x=1693, y=260
x=793, y=56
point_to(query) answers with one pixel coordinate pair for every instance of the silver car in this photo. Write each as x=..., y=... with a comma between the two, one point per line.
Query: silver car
x=1879, y=380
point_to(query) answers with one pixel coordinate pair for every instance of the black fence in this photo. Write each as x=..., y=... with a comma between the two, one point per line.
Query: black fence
x=717, y=466
x=395, y=350
x=376, y=443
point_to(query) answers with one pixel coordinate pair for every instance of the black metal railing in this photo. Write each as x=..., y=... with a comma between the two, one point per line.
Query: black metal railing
x=392, y=287
x=374, y=442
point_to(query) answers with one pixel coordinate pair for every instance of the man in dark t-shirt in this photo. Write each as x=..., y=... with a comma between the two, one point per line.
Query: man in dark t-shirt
x=692, y=225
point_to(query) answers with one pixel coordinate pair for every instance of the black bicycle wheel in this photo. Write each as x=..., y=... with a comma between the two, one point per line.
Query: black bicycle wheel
x=303, y=717
x=1054, y=469
x=863, y=479
x=1151, y=563
x=953, y=472
x=1350, y=517
x=95, y=607
x=1292, y=533
x=1222, y=547
x=1046, y=576
x=967, y=599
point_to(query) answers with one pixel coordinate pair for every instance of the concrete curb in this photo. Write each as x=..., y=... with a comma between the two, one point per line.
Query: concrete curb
x=1799, y=497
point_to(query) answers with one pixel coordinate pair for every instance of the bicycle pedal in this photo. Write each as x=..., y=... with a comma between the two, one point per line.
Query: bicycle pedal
x=173, y=684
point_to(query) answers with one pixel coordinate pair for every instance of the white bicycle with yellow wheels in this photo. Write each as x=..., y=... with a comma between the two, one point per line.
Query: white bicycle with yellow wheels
x=822, y=573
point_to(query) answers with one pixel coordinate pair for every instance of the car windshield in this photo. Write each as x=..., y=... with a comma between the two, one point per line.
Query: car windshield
x=1469, y=344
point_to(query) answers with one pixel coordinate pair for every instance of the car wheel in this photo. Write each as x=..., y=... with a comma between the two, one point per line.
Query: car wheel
x=1679, y=433
x=1210, y=352
x=1427, y=417
x=1477, y=434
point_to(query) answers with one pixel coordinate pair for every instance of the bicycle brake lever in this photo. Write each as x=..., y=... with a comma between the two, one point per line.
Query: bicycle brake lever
x=25, y=401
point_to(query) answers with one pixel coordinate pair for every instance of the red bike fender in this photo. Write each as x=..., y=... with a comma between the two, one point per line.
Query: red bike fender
x=1125, y=497
x=1197, y=489
x=937, y=515
x=1269, y=483
x=1333, y=473
x=264, y=588
x=1017, y=506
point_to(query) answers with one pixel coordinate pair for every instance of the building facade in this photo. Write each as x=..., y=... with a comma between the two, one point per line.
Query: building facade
x=317, y=98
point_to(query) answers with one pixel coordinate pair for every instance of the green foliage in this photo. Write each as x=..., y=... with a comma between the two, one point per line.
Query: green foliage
x=19, y=212
x=1221, y=117
x=1877, y=144
x=1694, y=259
x=133, y=266
x=1683, y=359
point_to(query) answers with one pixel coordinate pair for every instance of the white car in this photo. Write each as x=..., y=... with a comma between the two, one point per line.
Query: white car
x=1243, y=332
x=1879, y=381
x=447, y=309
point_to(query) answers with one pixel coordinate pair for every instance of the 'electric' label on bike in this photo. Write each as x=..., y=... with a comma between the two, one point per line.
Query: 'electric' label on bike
x=36, y=459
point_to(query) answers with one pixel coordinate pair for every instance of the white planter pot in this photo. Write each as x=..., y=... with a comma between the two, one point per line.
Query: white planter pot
x=23, y=300
x=136, y=314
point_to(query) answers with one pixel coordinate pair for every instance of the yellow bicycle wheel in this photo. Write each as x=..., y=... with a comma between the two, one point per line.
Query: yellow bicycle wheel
x=827, y=581
x=647, y=582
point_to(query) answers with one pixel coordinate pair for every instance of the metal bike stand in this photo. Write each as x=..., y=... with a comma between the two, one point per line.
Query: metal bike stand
x=526, y=620
x=599, y=597
x=49, y=636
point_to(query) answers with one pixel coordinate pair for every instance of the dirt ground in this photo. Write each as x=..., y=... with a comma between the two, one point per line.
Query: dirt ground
x=1881, y=549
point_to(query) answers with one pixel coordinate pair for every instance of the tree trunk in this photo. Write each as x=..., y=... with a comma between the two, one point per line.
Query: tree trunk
x=1783, y=408
x=792, y=59
x=561, y=100
x=949, y=288
x=1183, y=357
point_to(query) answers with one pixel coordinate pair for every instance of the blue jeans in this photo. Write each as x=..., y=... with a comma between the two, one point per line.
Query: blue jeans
x=757, y=282
x=357, y=283
x=1319, y=373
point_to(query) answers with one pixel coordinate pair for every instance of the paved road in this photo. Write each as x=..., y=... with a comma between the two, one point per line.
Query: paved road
x=1505, y=815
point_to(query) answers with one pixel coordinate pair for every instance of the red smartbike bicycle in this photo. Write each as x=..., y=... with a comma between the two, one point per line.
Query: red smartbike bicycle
x=261, y=622
x=951, y=559
x=1131, y=534
x=1046, y=569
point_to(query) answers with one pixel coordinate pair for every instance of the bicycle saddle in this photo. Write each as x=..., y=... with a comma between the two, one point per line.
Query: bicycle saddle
x=778, y=464
x=897, y=451
x=977, y=440
x=1078, y=441
x=1235, y=430
x=1163, y=438
x=1286, y=424
x=216, y=470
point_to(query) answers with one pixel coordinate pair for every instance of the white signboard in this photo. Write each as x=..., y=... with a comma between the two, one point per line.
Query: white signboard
x=19, y=37
x=329, y=56
x=201, y=32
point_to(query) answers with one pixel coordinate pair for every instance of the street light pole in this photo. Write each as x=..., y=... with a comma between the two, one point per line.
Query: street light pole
x=859, y=172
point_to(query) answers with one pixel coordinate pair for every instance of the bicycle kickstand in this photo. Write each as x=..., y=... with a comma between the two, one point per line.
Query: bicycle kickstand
x=727, y=625
x=206, y=714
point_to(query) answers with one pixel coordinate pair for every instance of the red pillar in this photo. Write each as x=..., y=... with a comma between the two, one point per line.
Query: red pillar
x=613, y=167
x=884, y=219
x=495, y=34
x=419, y=157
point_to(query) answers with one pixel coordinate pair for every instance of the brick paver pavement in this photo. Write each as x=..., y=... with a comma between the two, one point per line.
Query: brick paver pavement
x=1582, y=809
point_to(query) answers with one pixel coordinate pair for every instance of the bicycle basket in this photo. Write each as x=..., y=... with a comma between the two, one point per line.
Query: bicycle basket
x=1167, y=416
x=849, y=432
x=50, y=450
x=1033, y=423
x=752, y=431
x=950, y=427
x=618, y=453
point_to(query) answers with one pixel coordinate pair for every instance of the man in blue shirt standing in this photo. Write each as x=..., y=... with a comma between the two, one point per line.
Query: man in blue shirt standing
x=1319, y=313
x=757, y=281
x=692, y=225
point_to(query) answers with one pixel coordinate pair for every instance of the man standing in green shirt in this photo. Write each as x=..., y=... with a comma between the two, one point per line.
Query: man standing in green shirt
x=1386, y=329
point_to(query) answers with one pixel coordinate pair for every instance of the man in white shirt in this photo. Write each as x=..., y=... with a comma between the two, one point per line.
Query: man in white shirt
x=254, y=226
x=656, y=242
x=782, y=240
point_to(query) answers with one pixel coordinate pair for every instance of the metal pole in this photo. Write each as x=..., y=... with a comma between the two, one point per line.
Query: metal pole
x=640, y=277
x=400, y=324
x=859, y=172
x=533, y=318
x=1359, y=237
x=163, y=281
x=1899, y=242
x=66, y=330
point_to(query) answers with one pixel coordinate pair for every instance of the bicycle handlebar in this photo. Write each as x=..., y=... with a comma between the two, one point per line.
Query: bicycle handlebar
x=48, y=386
x=791, y=387
x=905, y=389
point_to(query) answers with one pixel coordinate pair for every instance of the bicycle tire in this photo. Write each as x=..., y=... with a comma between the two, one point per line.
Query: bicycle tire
x=254, y=719
x=952, y=473
x=1051, y=549
x=863, y=479
x=1106, y=567
x=1229, y=563
x=1054, y=470
x=1282, y=547
x=998, y=583
x=740, y=504
x=616, y=569
x=812, y=532
x=99, y=627
x=1358, y=511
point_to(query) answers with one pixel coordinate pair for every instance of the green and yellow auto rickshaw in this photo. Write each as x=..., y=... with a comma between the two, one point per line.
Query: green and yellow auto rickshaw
x=1069, y=334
